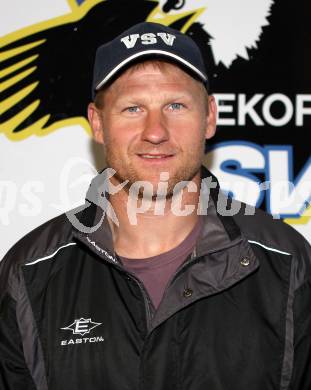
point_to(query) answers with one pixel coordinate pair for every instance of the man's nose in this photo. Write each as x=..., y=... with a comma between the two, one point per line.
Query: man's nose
x=155, y=129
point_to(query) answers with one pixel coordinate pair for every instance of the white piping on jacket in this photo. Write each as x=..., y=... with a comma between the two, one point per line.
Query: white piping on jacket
x=52, y=255
x=269, y=249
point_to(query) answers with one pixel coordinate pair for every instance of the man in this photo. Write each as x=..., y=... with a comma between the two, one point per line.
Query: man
x=158, y=281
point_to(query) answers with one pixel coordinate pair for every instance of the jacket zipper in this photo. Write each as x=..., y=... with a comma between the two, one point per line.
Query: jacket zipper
x=147, y=301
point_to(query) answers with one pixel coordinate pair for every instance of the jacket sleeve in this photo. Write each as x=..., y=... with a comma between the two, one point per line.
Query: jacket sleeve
x=301, y=374
x=14, y=374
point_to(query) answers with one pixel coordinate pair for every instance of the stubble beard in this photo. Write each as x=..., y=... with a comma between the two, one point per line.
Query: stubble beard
x=127, y=172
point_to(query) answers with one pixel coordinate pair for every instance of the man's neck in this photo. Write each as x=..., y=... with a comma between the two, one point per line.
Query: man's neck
x=155, y=231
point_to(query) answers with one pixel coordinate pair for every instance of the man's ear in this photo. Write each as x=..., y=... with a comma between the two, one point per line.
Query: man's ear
x=96, y=123
x=211, y=118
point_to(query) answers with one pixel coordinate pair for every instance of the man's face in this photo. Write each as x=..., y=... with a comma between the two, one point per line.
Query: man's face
x=154, y=119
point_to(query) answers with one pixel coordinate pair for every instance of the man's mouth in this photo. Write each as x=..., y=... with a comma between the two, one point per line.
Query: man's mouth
x=155, y=156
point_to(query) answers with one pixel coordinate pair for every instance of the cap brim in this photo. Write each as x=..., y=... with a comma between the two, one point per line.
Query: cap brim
x=148, y=53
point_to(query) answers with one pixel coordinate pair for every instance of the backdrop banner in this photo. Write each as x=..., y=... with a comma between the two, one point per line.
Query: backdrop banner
x=259, y=62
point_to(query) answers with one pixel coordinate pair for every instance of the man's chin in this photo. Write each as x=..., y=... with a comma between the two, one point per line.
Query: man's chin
x=155, y=184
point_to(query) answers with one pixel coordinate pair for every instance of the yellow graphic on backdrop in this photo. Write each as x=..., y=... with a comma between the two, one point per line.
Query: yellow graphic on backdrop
x=7, y=128
x=158, y=16
x=304, y=219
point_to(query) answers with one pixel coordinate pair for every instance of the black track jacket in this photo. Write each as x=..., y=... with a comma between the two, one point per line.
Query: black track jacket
x=235, y=316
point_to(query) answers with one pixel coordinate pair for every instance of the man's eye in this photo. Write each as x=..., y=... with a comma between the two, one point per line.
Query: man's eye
x=133, y=109
x=176, y=106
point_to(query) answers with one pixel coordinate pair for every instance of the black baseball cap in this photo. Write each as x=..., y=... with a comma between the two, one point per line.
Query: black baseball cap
x=142, y=41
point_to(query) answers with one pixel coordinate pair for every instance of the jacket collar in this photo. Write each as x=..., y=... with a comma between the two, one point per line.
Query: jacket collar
x=219, y=228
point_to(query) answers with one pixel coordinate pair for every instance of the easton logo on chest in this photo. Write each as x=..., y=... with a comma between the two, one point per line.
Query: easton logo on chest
x=148, y=39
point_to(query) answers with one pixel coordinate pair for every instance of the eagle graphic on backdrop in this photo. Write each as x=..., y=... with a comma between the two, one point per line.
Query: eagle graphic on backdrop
x=45, y=71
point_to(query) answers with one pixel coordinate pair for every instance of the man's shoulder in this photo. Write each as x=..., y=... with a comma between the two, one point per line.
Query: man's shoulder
x=263, y=229
x=41, y=241
x=37, y=245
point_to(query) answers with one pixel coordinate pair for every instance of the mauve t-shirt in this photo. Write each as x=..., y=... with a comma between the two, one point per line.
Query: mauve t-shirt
x=156, y=271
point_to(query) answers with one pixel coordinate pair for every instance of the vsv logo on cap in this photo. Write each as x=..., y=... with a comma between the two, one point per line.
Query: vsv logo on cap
x=148, y=39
